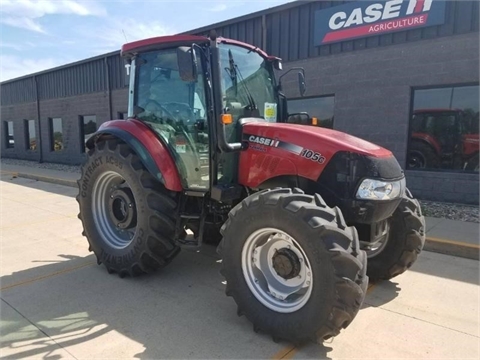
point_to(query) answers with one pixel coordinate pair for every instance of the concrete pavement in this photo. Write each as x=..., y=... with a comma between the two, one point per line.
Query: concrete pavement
x=57, y=303
x=443, y=236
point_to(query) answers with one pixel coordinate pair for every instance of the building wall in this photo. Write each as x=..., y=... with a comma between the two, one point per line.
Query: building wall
x=119, y=102
x=18, y=113
x=373, y=91
x=69, y=109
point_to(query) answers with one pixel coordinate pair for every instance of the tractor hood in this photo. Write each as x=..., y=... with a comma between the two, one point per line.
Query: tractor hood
x=326, y=141
x=276, y=149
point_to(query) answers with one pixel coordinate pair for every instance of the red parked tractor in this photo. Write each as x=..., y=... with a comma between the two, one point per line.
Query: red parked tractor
x=444, y=138
x=298, y=209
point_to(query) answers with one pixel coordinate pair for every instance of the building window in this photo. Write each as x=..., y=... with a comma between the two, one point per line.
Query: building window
x=122, y=115
x=88, y=124
x=30, y=135
x=318, y=107
x=444, y=129
x=56, y=134
x=8, y=131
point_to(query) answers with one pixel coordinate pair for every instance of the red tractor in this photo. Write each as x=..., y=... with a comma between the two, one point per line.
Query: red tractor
x=444, y=138
x=298, y=209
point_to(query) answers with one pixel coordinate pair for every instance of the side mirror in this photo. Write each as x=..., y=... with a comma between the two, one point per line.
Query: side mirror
x=277, y=64
x=301, y=80
x=301, y=83
x=299, y=118
x=187, y=63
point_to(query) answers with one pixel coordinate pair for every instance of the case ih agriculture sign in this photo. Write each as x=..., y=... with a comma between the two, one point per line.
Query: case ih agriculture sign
x=367, y=18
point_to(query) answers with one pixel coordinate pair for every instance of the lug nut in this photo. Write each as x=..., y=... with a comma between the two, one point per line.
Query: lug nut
x=308, y=282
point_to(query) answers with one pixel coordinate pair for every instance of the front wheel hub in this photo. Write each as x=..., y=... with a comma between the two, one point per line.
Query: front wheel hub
x=286, y=263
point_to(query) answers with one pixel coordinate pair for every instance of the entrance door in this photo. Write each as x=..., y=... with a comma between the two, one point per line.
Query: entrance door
x=176, y=110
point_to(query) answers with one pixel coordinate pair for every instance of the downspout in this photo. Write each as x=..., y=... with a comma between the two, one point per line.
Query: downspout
x=39, y=137
x=264, y=32
x=109, y=90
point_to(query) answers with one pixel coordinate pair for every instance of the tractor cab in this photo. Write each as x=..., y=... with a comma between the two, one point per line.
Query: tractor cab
x=193, y=92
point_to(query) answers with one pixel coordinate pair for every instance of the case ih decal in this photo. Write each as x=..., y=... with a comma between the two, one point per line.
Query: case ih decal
x=255, y=141
x=261, y=143
x=368, y=18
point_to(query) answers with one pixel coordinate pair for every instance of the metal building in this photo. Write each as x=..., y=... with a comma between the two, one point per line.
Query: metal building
x=404, y=75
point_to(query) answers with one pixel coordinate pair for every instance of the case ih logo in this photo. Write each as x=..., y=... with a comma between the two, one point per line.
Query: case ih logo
x=367, y=18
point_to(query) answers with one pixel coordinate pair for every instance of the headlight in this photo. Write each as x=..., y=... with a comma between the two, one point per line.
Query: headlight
x=371, y=189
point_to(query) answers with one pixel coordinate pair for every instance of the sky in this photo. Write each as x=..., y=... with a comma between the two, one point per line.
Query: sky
x=40, y=34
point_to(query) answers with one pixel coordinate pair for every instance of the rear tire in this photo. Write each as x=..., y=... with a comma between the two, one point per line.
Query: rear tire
x=127, y=216
x=406, y=239
x=331, y=249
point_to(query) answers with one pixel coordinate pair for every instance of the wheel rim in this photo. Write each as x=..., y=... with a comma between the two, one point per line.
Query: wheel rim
x=375, y=248
x=277, y=270
x=114, y=210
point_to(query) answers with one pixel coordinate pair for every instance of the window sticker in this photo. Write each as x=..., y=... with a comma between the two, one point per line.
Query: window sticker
x=270, y=112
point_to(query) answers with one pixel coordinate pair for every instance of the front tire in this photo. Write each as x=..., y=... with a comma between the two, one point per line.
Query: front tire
x=405, y=241
x=127, y=216
x=308, y=254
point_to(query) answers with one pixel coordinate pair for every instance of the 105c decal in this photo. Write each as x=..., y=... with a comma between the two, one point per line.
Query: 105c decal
x=312, y=155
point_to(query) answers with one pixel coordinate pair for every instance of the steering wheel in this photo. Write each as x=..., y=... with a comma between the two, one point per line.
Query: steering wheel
x=161, y=107
x=178, y=126
x=181, y=107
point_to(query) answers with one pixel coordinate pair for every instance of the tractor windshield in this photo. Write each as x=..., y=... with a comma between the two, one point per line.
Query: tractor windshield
x=248, y=83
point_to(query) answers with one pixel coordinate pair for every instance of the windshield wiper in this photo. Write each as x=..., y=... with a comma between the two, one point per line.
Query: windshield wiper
x=235, y=73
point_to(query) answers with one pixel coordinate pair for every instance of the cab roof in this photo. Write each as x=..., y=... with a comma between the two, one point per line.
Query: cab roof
x=160, y=42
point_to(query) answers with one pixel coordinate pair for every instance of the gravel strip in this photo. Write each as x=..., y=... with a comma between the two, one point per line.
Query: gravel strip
x=34, y=164
x=450, y=211
x=430, y=208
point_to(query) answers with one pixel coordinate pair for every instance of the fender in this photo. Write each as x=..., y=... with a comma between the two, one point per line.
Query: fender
x=429, y=140
x=151, y=150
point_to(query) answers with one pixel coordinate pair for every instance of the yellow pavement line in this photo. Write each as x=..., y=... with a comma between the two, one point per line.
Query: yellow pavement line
x=452, y=242
x=289, y=351
x=26, y=282
x=285, y=353
x=6, y=172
